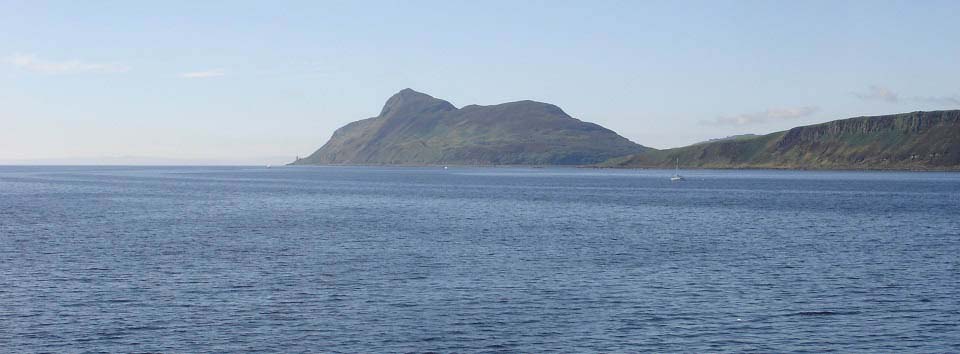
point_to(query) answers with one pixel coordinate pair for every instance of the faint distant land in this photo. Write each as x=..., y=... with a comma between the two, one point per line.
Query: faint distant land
x=147, y=161
x=416, y=129
x=908, y=141
x=729, y=138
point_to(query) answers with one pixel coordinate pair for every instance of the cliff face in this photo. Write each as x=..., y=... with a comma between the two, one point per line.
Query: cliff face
x=416, y=129
x=918, y=140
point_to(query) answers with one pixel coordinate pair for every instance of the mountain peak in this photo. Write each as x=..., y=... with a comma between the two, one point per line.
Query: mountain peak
x=409, y=91
x=412, y=94
x=410, y=100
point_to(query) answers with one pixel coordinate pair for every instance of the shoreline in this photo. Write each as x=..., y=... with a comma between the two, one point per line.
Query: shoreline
x=954, y=169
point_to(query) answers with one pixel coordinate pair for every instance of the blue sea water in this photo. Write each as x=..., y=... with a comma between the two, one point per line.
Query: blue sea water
x=367, y=259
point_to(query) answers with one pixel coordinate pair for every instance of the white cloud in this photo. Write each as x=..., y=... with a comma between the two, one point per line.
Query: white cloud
x=764, y=116
x=203, y=74
x=878, y=93
x=32, y=63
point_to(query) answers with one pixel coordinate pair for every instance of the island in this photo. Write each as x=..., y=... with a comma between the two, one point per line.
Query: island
x=414, y=128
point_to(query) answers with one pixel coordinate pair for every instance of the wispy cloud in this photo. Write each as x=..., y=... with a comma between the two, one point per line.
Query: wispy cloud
x=878, y=93
x=942, y=100
x=764, y=116
x=203, y=74
x=33, y=63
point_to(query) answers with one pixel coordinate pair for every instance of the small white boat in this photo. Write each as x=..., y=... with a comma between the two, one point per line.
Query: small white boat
x=676, y=175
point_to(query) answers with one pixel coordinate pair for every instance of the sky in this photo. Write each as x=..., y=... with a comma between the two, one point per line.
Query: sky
x=265, y=81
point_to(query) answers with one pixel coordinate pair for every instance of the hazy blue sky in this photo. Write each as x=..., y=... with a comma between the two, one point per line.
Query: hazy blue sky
x=249, y=81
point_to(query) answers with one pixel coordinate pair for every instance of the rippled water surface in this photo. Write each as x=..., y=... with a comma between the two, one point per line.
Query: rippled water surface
x=362, y=259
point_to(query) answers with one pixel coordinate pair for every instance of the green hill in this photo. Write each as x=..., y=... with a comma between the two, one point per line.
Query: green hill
x=416, y=129
x=908, y=141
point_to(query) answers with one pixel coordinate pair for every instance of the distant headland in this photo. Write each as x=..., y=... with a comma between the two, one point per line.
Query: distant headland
x=908, y=141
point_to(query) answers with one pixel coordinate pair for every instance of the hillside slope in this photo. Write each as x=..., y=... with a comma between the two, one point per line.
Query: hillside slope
x=416, y=129
x=908, y=141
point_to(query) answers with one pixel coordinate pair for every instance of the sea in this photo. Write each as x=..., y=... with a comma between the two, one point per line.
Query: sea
x=127, y=259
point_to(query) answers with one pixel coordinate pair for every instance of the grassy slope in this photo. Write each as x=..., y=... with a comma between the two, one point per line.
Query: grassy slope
x=918, y=140
x=416, y=129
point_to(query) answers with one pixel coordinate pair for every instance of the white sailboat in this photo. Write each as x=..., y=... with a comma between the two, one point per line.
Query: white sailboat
x=676, y=175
